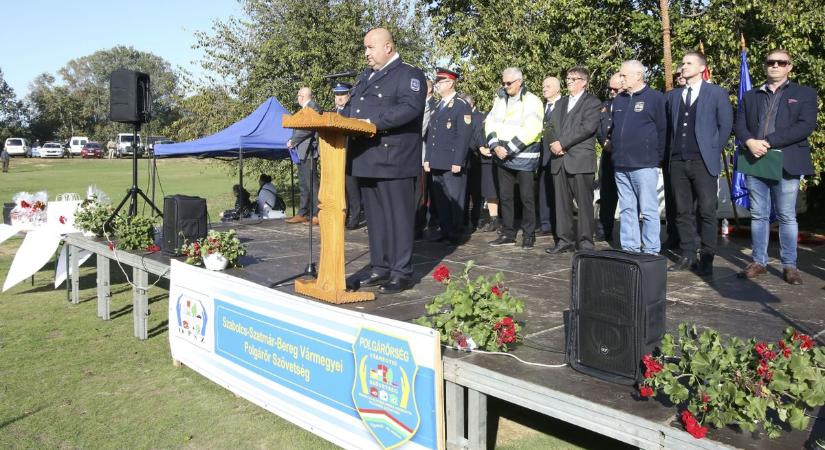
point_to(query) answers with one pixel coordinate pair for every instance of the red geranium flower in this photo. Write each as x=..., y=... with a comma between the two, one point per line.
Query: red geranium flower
x=152, y=248
x=645, y=391
x=692, y=426
x=498, y=292
x=25, y=204
x=111, y=246
x=760, y=348
x=652, y=366
x=62, y=220
x=441, y=274
x=705, y=398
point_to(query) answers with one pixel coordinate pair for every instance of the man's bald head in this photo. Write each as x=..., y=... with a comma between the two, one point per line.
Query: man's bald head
x=378, y=47
x=304, y=96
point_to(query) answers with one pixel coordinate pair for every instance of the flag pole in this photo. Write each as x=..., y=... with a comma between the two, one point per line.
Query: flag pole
x=663, y=7
x=737, y=226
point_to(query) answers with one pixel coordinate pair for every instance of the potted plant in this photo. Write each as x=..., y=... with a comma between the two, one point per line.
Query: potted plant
x=216, y=251
x=473, y=314
x=719, y=382
x=134, y=233
x=91, y=217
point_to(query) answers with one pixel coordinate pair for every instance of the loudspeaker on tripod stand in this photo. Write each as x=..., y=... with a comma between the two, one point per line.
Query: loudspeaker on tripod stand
x=129, y=96
x=617, y=312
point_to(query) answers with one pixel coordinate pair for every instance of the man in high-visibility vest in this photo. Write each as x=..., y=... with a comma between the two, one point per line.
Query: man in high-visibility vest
x=513, y=128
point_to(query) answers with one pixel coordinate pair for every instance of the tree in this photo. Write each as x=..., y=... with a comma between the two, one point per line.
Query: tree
x=12, y=111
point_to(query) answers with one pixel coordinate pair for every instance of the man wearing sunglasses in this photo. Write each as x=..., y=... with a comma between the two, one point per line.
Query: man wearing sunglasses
x=513, y=129
x=778, y=115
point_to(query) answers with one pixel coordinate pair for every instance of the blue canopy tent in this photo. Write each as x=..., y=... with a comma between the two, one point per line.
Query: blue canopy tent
x=259, y=134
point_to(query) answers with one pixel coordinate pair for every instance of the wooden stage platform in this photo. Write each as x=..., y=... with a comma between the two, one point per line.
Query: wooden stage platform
x=744, y=308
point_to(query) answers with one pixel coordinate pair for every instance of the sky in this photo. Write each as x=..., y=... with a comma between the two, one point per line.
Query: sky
x=43, y=35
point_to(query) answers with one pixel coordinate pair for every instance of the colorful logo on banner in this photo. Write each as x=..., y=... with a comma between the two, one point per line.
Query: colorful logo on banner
x=383, y=390
x=192, y=320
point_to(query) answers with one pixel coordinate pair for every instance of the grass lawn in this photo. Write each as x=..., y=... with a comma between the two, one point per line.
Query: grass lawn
x=71, y=380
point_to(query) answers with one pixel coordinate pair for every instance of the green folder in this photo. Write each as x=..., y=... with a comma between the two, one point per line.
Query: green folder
x=769, y=166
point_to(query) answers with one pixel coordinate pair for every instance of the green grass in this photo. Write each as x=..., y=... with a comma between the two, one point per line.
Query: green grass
x=188, y=176
x=71, y=380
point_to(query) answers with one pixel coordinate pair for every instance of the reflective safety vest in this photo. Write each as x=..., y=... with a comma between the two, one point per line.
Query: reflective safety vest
x=516, y=124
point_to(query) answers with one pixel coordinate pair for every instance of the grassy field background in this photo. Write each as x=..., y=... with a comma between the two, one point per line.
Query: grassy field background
x=71, y=380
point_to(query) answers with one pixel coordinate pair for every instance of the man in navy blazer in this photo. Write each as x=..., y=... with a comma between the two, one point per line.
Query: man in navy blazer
x=778, y=115
x=391, y=95
x=700, y=119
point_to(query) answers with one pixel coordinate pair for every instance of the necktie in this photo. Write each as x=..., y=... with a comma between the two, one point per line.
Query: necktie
x=687, y=99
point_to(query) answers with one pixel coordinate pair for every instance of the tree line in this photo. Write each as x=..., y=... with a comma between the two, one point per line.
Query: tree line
x=281, y=45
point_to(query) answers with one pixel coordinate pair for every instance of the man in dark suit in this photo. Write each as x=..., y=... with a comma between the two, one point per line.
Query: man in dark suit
x=475, y=196
x=305, y=143
x=608, y=195
x=778, y=115
x=571, y=139
x=448, y=139
x=341, y=98
x=424, y=211
x=551, y=90
x=700, y=119
x=391, y=95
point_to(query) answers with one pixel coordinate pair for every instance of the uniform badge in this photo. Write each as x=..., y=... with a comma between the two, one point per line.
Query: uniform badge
x=639, y=106
x=415, y=85
x=449, y=124
x=604, y=109
x=468, y=119
x=450, y=105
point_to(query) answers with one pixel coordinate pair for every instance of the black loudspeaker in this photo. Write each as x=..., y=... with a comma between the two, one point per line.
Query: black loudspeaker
x=617, y=312
x=129, y=96
x=184, y=220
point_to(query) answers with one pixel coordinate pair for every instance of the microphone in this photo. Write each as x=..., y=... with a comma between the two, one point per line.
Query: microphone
x=348, y=73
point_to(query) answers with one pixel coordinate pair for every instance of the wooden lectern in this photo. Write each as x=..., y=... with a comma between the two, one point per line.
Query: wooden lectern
x=332, y=129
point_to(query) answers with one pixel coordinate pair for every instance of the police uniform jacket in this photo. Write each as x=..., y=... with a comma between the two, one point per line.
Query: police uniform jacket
x=449, y=135
x=393, y=99
x=605, y=122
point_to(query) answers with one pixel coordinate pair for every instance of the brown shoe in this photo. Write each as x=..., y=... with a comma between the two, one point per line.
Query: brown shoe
x=314, y=221
x=297, y=219
x=792, y=276
x=752, y=271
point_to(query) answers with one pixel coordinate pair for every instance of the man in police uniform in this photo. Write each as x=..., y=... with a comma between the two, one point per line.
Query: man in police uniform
x=391, y=95
x=341, y=91
x=608, y=196
x=448, y=139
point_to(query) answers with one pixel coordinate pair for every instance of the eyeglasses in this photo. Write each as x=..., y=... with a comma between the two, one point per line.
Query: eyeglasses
x=509, y=83
x=572, y=79
x=613, y=89
x=777, y=62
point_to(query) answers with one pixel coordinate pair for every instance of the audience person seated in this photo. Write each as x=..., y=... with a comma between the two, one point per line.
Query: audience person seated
x=243, y=205
x=270, y=206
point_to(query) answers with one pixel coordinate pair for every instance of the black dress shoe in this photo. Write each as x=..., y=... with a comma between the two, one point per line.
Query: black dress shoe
x=560, y=248
x=353, y=224
x=374, y=280
x=705, y=266
x=527, y=242
x=395, y=286
x=544, y=233
x=685, y=263
x=502, y=240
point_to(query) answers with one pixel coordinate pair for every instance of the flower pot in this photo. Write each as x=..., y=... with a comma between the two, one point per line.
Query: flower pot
x=89, y=234
x=215, y=261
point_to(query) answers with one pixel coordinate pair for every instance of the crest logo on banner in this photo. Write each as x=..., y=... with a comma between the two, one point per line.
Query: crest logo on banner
x=193, y=320
x=384, y=387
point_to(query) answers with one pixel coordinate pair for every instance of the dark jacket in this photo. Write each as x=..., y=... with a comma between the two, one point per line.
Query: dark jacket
x=393, y=100
x=795, y=121
x=605, y=122
x=639, y=129
x=448, y=135
x=478, y=140
x=306, y=141
x=714, y=121
x=576, y=132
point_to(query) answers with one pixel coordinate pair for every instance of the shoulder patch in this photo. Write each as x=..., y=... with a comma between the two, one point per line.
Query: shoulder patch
x=415, y=85
x=468, y=119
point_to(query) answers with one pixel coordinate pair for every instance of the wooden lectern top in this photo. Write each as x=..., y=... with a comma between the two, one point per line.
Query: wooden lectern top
x=308, y=119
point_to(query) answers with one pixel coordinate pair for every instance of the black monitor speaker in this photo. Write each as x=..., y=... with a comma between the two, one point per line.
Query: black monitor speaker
x=129, y=96
x=184, y=220
x=617, y=312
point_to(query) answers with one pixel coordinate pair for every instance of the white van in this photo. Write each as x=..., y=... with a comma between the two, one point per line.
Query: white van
x=76, y=144
x=17, y=146
x=124, y=145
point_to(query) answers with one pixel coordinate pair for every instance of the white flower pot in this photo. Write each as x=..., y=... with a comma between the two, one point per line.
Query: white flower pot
x=89, y=234
x=215, y=261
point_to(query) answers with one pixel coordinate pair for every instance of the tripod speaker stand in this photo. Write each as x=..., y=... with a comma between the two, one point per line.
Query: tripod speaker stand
x=129, y=102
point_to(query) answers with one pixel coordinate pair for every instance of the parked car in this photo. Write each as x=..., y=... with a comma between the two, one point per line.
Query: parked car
x=17, y=146
x=151, y=141
x=52, y=150
x=76, y=144
x=92, y=150
x=124, y=145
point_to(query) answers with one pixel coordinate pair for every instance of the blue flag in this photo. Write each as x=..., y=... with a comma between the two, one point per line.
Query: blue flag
x=739, y=188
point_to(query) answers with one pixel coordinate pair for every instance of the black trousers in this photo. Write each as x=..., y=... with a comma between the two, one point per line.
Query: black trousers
x=547, y=216
x=691, y=182
x=389, y=204
x=472, y=215
x=507, y=180
x=353, y=198
x=670, y=206
x=578, y=186
x=608, y=194
x=308, y=172
x=449, y=194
